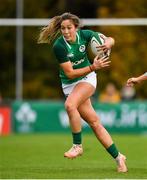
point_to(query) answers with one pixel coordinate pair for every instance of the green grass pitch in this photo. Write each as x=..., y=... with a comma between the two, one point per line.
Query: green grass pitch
x=40, y=156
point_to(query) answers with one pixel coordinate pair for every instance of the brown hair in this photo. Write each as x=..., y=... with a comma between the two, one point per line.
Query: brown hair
x=50, y=32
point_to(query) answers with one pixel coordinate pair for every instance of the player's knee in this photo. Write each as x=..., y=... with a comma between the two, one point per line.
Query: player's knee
x=69, y=106
x=95, y=124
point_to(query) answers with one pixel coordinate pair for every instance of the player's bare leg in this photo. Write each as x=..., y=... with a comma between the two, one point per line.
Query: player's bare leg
x=80, y=93
x=88, y=114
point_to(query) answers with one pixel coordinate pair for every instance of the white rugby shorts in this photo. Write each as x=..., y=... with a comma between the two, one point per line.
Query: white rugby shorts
x=89, y=78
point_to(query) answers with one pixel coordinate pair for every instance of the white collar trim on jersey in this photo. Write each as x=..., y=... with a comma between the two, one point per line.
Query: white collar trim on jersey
x=68, y=43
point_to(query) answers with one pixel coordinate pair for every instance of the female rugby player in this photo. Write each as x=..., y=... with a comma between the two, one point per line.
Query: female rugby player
x=79, y=80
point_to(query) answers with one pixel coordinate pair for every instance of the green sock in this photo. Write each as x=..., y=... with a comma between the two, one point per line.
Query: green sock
x=77, y=138
x=113, y=151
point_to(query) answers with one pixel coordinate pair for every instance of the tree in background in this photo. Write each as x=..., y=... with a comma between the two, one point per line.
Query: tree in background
x=40, y=78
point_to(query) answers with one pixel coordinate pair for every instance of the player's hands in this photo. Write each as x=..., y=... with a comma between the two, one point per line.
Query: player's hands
x=100, y=63
x=108, y=43
x=132, y=81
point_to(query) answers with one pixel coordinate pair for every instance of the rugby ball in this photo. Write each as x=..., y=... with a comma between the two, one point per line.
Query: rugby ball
x=97, y=40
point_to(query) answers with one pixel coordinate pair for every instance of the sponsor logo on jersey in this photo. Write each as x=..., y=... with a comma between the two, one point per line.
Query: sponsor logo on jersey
x=82, y=48
x=70, y=55
x=77, y=62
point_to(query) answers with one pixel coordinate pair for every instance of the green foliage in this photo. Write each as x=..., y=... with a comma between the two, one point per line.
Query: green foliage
x=7, y=9
x=7, y=61
x=128, y=56
x=40, y=78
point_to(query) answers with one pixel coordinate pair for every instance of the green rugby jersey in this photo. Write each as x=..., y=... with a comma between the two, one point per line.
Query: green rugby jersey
x=75, y=52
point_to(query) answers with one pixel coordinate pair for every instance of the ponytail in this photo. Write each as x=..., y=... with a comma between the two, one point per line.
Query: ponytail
x=50, y=32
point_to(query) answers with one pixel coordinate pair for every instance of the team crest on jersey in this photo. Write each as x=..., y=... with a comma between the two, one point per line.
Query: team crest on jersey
x=82, y=48
x=70, y=55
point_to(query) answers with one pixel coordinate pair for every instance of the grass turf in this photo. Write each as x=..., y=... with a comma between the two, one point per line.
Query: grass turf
x=40, y=156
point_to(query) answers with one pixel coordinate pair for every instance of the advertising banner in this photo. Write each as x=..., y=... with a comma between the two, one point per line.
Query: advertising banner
x=5, y=121
x=51, y=117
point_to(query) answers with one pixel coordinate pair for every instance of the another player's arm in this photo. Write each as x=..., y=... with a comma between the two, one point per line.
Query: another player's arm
x=142, y=77
x=75, y=73
x=133, y=80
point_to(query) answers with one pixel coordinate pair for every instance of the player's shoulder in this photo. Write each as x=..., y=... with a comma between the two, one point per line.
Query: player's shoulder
x=58, y=41
x=86, y=34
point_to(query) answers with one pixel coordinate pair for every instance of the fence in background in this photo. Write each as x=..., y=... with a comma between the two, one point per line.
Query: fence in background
x=86, y=22
x=28, y=117
x=5, y=120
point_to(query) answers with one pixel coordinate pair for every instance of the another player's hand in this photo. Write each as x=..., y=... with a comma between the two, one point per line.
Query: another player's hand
x=132, y=81
x=100, y=63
